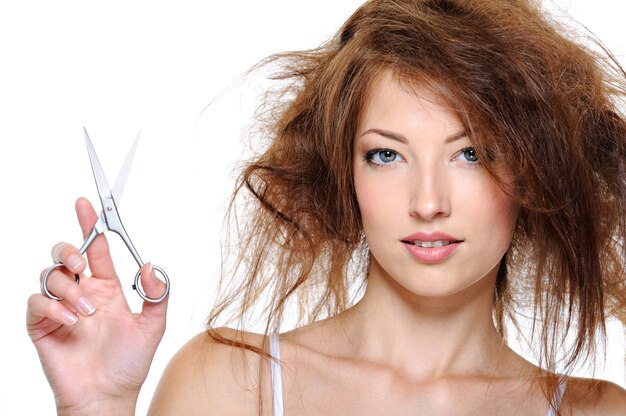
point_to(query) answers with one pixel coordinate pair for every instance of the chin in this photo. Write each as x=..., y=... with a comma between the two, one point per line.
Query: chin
x=441, y=285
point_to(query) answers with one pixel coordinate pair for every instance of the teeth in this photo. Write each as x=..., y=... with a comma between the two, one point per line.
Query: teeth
x=431, y=244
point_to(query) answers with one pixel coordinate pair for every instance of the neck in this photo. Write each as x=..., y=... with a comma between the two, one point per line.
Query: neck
x=426, y=337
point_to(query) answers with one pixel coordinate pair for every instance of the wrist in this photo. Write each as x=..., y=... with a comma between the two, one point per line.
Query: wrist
x=104, y=407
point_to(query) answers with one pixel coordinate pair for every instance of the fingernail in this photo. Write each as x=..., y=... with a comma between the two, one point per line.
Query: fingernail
x=69, y=318
x=75, y=261
x=152, y=273
x=86, y=306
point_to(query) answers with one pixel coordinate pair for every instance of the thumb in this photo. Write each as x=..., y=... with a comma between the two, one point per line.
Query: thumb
x=153, y=288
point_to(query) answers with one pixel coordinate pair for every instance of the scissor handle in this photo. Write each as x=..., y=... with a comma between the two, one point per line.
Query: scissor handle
x=136, y=286
x=142, y=294
x=44, y=281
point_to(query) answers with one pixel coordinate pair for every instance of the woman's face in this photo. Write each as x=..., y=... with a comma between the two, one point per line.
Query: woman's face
x=433, y=218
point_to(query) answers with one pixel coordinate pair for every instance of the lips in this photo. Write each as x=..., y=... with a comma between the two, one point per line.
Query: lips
x=438, y=237
x=431, y=247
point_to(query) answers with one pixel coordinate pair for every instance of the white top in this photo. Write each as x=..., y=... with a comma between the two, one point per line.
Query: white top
x=558, y=397
x=277, y=384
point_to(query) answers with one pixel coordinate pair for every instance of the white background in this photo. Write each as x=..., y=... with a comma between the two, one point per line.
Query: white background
x=118, y=67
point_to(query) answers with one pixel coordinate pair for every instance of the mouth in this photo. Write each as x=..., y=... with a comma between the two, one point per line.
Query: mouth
x=431, y=244
x=431, y=248
x=430, y=239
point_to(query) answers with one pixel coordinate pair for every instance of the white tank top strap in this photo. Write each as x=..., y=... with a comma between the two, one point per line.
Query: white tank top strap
x=558, y=397
x=277, y=383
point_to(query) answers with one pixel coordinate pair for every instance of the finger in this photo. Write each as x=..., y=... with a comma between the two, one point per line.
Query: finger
x=98, y=253
x=65, y=287
x=70, y=257
x=40, y=307
x=153, y=288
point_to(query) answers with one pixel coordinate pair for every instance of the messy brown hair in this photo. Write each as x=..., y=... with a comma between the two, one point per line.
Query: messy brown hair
x=542, y=106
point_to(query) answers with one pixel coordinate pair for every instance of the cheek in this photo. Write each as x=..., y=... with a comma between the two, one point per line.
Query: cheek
x=502, y=215
x=362, y=190
x=486, y=210
x=370, y=206
x=504, y=207
x=376, y=199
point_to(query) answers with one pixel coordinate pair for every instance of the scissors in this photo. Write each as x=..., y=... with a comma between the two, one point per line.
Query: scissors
x=109, y=220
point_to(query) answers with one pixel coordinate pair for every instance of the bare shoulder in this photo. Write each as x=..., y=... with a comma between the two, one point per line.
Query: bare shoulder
x=206, y=376
x=595, y=397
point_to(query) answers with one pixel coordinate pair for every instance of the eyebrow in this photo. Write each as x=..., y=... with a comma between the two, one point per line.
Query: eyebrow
x=455, y=136
x=387, y=134
x=400, y=138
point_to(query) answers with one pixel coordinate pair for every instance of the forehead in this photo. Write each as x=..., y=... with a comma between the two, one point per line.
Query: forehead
x=406, y=103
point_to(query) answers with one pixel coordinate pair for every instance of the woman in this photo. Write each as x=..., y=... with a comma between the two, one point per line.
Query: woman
x=436, y=169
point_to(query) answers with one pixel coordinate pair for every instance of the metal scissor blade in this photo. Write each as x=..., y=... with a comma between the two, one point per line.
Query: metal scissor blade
x=120, y=181
x=101, y=182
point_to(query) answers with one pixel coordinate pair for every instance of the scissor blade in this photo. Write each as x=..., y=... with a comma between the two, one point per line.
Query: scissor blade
x=120, y=181
x=101, y=182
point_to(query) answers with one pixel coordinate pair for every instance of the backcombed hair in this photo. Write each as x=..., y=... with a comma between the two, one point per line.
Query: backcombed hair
x=545, y=114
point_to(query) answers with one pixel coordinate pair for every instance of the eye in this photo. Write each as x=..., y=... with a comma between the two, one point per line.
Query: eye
x=469, y=154
x=382, y=156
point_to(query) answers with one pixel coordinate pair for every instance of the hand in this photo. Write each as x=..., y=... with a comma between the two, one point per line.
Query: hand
x=95, y=352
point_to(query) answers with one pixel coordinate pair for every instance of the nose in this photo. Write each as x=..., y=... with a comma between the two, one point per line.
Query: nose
x=429, y=194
